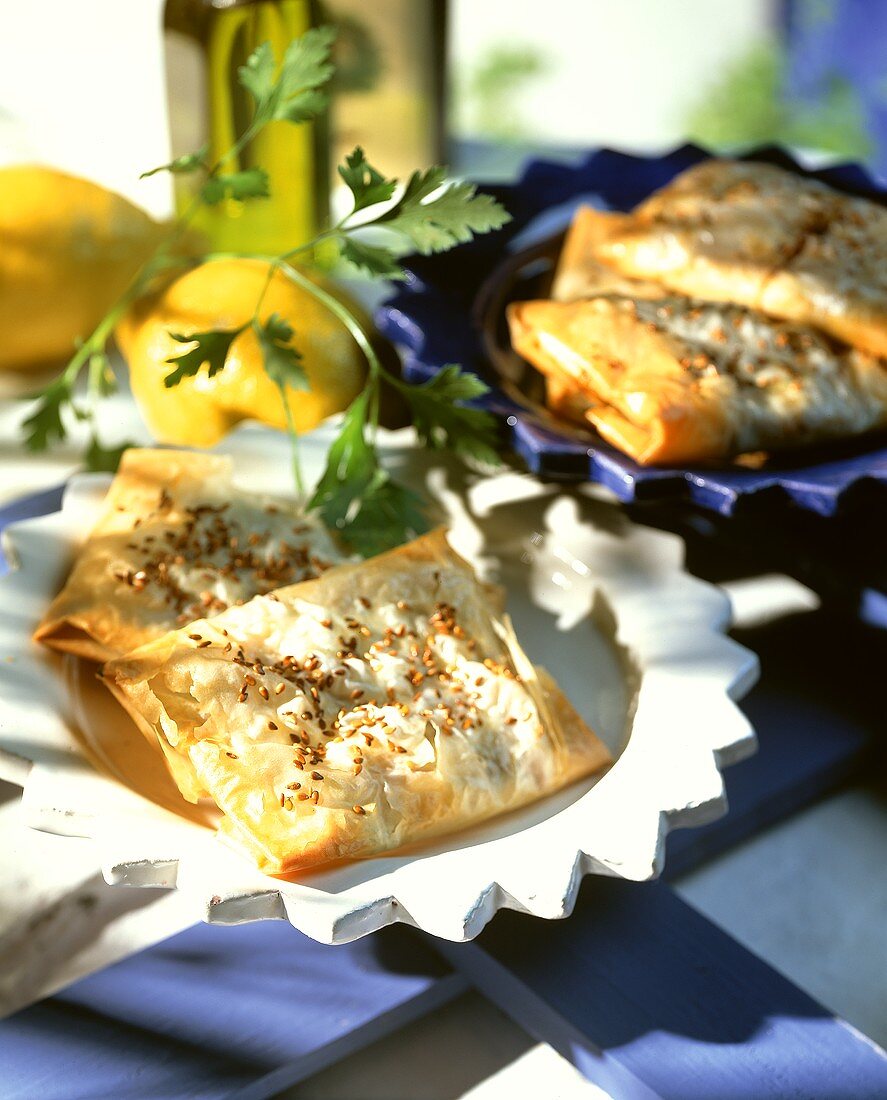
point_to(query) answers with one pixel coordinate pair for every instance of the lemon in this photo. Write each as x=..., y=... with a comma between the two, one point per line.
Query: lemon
x=68, y=249
x=222, y=294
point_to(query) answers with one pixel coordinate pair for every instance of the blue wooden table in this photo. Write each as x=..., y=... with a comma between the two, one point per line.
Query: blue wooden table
x=642, y=993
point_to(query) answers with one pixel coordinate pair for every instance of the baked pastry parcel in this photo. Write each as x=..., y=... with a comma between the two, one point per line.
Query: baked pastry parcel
x=580, y=274
x=760, y=236
x=671, y=380
x=175, y=541
x=382, y=703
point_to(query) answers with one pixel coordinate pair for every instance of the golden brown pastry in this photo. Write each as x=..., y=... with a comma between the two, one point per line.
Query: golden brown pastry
x=760, y=236
x=565, y=396
x=675, y=381
x=580, y=274
x=379, y=704
x=175, y=541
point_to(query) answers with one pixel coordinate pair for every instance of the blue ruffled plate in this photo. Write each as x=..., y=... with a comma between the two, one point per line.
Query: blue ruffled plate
x=450, y=310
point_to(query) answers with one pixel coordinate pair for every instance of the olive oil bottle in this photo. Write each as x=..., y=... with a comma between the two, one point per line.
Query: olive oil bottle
x=388, y=95
x=206, y=42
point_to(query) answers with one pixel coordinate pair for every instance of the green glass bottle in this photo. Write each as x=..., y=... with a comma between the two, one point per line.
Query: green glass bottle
x=206, y=42
x=388, y=94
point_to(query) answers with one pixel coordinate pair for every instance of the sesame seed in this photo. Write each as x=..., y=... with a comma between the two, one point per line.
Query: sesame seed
x=272, y=726
x=359, y=810
x=196, y=637
x=317, y=775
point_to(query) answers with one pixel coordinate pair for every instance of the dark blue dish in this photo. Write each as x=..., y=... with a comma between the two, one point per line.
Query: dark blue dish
x=442, y=314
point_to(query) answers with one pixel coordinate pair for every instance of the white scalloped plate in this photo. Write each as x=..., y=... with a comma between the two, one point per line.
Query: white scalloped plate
x=637, y=644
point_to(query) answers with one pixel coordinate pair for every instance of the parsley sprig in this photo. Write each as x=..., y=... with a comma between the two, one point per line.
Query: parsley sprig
x=355, y=495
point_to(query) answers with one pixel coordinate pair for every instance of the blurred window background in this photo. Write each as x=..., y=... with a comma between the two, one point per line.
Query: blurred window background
x=522, y=76
x=646, y=74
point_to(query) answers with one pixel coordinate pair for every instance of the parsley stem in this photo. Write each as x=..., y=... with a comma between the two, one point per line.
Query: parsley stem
x=100, y=335
x=308, y=245
x=272, y=269
x=339, y=310
x=295, y=460
x=97, y=366
x=344, y=314
x=212, y=257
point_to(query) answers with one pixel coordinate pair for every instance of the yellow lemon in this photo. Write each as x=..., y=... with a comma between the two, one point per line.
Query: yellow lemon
x=68, y=249
x=222, y=294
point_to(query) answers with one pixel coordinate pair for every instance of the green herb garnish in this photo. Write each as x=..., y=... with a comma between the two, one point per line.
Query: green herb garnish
x=356, y=496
